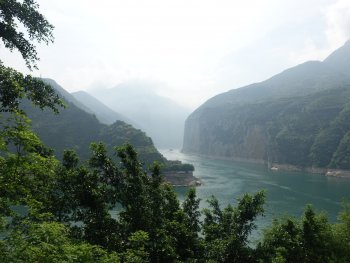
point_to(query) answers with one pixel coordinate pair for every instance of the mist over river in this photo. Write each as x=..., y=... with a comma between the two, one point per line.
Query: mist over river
x=287, y=192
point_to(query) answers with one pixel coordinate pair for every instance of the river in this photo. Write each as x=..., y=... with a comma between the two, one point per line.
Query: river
x=287, y=192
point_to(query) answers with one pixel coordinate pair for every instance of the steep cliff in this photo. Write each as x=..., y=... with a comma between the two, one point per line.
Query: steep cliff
x=300, y=116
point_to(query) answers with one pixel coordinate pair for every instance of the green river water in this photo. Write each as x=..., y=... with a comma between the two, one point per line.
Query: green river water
x=287, y=192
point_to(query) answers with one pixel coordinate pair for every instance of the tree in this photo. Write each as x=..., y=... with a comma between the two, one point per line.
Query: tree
x=133, y=195
x=341, y=232
x=282, y=241
x=14, y=87
x=49, y=242
x=136, y=253
x=317, y=237
x=226, y=231
x=23, y=14
x=85, y=193
x=191, y=242
x=308, y=239
x=26, y=165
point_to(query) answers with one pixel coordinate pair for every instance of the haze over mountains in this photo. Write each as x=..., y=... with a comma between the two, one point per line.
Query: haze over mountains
x=77, y=126
x=105, y=114
x=160, y=117
x=298, y=117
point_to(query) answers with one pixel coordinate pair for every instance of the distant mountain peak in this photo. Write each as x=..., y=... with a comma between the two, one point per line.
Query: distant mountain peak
x=160, y=117
x=103, y=113
x=66, y=95
x=77, y=126
x=340, y=59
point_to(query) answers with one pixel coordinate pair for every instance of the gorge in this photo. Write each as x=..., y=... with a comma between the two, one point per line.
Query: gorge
x=298, y=118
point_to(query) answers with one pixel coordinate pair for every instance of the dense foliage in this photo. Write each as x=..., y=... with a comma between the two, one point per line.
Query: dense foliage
x=14, y=87
x=109, y=209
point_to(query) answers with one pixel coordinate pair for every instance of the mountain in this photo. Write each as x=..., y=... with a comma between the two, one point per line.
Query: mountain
x=103, y=113
x=75, y=128
x=299, y=117
x=66, y=95
x=160, y=117
x=340, y=59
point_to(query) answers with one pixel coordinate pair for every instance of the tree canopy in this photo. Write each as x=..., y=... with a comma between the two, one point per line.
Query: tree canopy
x=24, y=14
x=14, y=86
x=106, y=210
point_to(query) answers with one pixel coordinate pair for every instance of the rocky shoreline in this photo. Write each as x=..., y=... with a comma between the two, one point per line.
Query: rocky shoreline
x=180, y=178
x=235, y=159
x=314, y=170
x=339, y=173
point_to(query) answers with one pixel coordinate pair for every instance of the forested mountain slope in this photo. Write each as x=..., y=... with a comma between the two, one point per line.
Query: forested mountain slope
x=75, y=128
x=300, y=117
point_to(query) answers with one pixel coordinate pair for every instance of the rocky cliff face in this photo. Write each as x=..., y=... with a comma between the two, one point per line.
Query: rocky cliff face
x=297, y=117
x=224, y=140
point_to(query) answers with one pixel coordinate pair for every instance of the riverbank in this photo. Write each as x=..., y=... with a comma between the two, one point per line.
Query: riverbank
x=179, y=178
x=235, y=159
x=313, y=170
x=340, y=173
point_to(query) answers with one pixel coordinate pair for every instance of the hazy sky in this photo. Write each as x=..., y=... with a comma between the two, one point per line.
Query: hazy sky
x=193, y=49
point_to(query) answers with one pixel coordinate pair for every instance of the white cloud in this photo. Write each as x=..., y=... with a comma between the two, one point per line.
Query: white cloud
x=182, y=43
x=337, y=31
x=338, y=23
x=309, y=51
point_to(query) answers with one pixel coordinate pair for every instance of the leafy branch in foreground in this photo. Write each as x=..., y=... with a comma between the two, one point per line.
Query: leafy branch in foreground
x=14, y=87
x=23, y=14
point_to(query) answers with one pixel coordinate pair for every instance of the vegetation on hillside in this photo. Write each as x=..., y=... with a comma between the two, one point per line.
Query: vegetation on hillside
x=298, y=117
x=177, y=166
x=310, y=130
x=75, y=129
